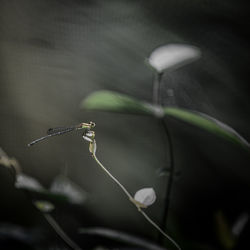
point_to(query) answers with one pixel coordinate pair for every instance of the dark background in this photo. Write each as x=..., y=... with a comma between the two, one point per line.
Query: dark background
x=55, y=53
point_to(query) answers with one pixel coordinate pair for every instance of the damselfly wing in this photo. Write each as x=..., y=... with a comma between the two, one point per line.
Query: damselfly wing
x=63, y=130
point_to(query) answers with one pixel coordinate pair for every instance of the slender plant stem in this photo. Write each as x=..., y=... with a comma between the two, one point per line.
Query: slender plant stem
x=113, y=178
x=134, y=202
x=159, y=229
x=52, y=222
x=170, y=179
x=156, y=88
x=156, y=94
x=60, y=232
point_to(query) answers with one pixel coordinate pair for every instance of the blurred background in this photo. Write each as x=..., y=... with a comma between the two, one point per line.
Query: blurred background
x=55, y=53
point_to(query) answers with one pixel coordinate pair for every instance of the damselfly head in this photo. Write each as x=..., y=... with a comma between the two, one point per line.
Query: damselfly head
x=92, y=124
x=89, y=125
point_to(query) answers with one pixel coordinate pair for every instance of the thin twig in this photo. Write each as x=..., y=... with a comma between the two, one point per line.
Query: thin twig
x=156, y=101
x=133, y=201
x=113, y=178
x=156, y=87
x=171, y=175
x=60, y=232
x=159, y=229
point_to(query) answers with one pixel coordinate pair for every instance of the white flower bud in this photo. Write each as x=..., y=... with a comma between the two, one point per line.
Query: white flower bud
x=145, y=196
x=173, y=56
x=28, y=182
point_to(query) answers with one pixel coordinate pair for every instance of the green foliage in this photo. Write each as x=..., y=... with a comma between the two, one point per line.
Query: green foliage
x=114, y=102
x=207, y=123
x=224, y=231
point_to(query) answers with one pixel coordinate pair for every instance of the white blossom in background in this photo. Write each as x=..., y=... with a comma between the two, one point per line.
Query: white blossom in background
x=64, y=186
x=25, y=181
x=145, y=196
x=173, y=56
x=240, y=224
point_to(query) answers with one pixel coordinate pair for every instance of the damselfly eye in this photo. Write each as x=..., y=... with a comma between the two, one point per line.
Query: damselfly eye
x=92, y=124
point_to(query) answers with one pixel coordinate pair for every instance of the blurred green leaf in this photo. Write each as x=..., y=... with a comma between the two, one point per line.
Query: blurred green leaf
x=46, y=195
x=62, y=185
x=114, y=102
x=121, y=237
x=223, y=231
x=208, y=123
x=37, y=191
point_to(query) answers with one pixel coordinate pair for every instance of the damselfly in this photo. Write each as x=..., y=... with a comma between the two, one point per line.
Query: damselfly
x=63, y=130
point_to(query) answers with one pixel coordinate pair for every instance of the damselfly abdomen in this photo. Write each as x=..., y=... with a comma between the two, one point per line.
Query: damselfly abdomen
x=63, y=130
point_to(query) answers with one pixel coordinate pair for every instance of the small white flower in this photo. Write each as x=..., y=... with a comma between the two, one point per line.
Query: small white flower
x=28, y=182
x=145, y=196
x=64, y=186
x=173, y=56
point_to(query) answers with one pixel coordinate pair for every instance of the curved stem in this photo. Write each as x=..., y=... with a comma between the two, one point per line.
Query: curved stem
x=171, y=177
x=159, y=229
x=60, y=232
x=113, y=178
x=156, y=88
x=156, y=93
x=134, y=201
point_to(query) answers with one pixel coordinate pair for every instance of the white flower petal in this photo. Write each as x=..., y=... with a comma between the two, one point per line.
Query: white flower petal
x=173, y=56
x=145, y=196
x=63, y=185
x=25, y=181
